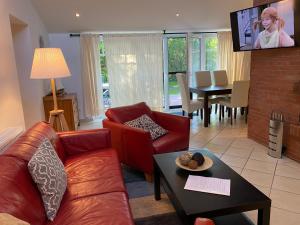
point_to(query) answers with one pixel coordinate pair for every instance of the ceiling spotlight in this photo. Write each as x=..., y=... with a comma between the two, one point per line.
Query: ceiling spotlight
x=177, y=14
x=77, y=15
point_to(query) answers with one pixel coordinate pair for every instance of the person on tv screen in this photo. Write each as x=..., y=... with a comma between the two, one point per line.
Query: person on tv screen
x=273, y=35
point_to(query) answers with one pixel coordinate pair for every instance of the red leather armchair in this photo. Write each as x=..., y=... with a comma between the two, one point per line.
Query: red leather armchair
x=134, y=146
x=203, y=221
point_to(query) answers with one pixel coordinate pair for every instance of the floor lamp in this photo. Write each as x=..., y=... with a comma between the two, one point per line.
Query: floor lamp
x=49, y=63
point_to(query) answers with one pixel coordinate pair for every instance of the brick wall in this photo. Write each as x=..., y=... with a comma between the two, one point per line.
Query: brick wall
x=275, y=81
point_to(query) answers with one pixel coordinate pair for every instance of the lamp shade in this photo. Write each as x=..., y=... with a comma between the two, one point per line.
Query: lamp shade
x=49, y=63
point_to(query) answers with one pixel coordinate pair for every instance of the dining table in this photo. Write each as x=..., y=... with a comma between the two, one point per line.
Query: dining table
x=205, y=92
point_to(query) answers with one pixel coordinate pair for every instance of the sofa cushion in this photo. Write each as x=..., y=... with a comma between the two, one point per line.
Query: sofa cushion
x=19, y=195
x=104, y=209
x=93, y=173
x=127, y=113
x=170, y=142
x=48, y=173
x=146, y=123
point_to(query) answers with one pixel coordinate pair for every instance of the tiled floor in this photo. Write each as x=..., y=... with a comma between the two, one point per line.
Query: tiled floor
x=277, y=178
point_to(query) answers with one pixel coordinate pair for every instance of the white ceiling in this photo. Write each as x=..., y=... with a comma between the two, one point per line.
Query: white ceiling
x=137, y=15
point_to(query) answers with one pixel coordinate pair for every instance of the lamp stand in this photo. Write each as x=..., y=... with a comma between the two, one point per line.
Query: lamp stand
x=57, y=115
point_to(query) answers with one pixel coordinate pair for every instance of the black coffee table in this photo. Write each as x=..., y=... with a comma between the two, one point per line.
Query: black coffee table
x=191, y=204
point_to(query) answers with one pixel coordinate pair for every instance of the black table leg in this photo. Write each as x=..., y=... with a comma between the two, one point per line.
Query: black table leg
x=263, y=216
x=156, y=182
x=206, y=110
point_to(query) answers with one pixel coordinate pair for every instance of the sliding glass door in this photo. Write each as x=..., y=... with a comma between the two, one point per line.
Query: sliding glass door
x=186, y=53
x=175, y=61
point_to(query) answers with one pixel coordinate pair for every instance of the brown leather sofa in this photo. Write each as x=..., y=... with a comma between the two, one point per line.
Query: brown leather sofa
x=95, y=194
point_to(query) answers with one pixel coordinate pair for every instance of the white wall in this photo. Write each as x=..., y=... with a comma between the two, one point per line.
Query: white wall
x=71, y=49
x=11, y=105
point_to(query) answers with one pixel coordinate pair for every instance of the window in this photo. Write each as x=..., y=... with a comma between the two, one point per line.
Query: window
x=104, y=75
x=211, y=50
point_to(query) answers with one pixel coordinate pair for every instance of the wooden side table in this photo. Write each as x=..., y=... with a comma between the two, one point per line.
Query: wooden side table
x=68, y=103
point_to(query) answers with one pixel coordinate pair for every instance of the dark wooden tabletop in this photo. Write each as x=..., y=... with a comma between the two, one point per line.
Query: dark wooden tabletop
x=243, y=196
x=212, y=90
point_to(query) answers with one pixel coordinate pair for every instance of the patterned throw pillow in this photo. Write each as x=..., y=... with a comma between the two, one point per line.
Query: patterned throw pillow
x=146, y=123
x=49, y=174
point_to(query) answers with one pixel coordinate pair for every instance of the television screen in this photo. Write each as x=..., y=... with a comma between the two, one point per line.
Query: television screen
x=266, y=26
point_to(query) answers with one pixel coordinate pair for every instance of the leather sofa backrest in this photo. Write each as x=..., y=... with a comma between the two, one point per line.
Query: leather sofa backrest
x=27, y=144
x=19, y=195
x=127, y=113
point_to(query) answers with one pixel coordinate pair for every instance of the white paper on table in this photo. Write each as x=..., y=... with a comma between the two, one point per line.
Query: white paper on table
x=208, y=185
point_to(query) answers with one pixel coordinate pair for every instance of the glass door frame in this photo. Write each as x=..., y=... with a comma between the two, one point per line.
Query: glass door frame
x=202, y=37
x=166, y=68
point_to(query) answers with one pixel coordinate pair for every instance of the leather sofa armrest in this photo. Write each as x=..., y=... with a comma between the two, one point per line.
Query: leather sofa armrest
x=172, y=122
x=203, y=221
x=75, y=142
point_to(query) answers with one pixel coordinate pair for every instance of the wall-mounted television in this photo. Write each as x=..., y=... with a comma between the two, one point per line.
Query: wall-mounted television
x=273, y=25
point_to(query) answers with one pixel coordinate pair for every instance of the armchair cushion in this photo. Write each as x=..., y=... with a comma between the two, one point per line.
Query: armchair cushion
x=146, y=123
x=127, y=113
x=170, y=142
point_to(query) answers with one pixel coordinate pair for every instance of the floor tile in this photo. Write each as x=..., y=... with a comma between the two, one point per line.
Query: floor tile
x=285, y=200
x=223, y=141
x=264, y=190
x=285, y=160
x=290, y=163
x=234, y=161
x=240, y=152
x=283, y=217
x=237, y=169
x=260, y=148
x=286, y=184
x=287, y=171
x=264, y=167
x=255, y=177
x=243, y=143
x=262, y=156
x=216, y=148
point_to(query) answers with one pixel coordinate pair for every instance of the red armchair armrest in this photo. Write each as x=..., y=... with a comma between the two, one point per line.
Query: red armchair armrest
x=202, y=221
x=172, y=122
x=134, y=145
x=75, y=142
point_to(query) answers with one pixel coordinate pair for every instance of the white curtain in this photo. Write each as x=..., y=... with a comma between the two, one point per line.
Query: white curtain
x=237, y=64
x=91, y=75
x=135, y=68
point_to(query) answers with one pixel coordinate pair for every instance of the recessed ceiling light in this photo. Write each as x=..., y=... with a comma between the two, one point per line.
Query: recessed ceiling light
x=177, y=14
x=77, y=15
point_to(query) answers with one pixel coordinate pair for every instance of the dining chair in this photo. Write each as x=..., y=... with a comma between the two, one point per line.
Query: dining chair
x=220, y=78
x=204, y=79
x=188, y=105
x=239, y=98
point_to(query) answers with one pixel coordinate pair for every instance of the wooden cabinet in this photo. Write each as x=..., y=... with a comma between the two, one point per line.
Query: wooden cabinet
x=68, y=103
